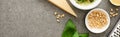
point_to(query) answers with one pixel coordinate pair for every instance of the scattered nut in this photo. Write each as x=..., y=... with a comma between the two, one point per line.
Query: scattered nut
x=113, y=15
x=63, y=15
x=111, y=9
x=111, y=12
x=58, y=16
x=55, y=13
x=58, y=20
x=116, y=13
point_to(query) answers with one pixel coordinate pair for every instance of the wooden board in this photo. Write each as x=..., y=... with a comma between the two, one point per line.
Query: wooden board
x=63, y=4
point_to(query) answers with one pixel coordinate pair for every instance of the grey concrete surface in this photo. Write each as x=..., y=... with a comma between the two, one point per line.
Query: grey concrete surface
x=34, y=18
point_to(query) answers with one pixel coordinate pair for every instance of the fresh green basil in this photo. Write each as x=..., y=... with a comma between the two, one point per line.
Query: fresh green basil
x=71, y=31
x=91, y=0
x=84, y=1
x=84, y=35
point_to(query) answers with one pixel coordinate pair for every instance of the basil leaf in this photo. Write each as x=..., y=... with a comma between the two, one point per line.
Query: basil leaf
x=76, y=34
x=84, y=35
x=91, y=0
x=81, y=1
x=69, y=29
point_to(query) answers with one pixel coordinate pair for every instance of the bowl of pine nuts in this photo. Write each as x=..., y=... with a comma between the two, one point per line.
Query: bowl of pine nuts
x=97, y=20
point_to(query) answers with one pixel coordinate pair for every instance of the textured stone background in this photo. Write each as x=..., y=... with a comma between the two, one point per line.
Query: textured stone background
x=34, y=18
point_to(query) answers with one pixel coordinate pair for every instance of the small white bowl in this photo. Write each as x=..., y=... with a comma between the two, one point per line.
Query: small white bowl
x=95, y=30
x=114, y=3
x=88, y=7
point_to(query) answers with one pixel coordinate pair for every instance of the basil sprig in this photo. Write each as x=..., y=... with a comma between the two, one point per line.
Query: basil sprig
x=71, y=31
x=82, y=1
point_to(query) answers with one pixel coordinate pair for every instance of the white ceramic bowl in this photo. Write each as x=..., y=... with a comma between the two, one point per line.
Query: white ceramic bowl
x=95, y=30
x=114, y=3
x=88, y=7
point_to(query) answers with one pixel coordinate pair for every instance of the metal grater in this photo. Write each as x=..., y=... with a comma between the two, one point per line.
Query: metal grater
x=116, y=30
